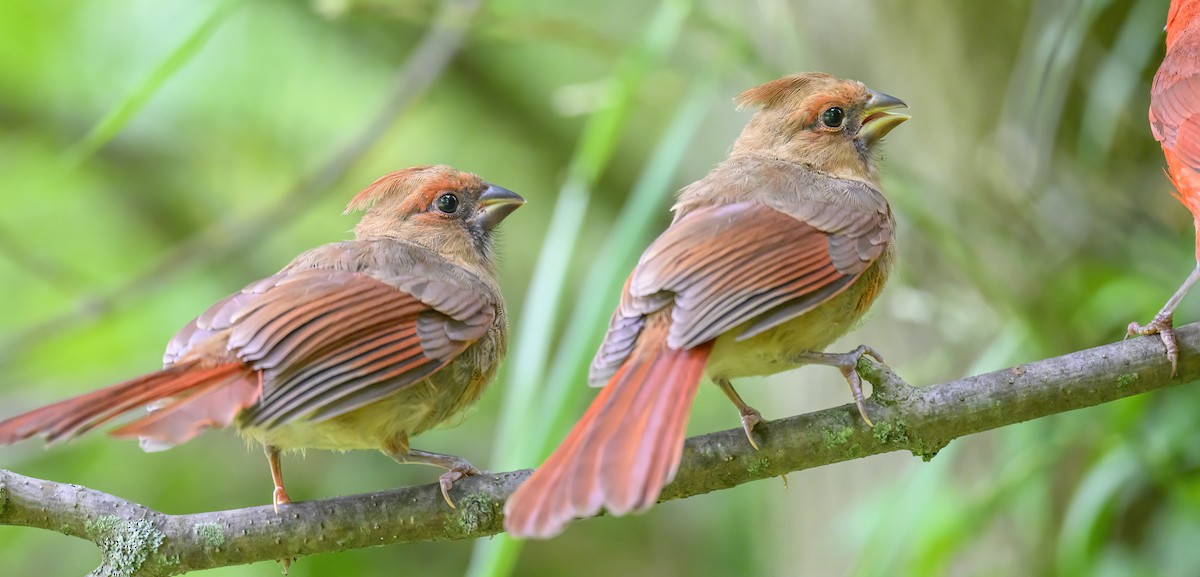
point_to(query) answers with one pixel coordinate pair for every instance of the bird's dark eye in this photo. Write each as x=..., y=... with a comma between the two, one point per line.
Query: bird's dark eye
x=447, y=203
x=832, y=117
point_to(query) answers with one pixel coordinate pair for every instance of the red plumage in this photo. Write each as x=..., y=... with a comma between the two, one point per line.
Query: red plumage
x=1175, y=123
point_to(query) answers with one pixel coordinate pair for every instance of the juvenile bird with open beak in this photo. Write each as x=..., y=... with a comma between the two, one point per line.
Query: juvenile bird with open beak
x=776, y=253
x=359, y=344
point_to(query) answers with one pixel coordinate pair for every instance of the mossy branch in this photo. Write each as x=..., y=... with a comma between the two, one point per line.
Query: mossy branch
x=137, y=541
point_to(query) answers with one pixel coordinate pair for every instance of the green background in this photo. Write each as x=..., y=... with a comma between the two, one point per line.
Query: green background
x=142, y=141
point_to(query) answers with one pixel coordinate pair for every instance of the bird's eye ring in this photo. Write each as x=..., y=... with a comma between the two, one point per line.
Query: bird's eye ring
x=447, y=203
x=833, y=117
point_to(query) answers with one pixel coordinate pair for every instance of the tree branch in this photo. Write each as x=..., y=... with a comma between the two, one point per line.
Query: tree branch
x=138, y=541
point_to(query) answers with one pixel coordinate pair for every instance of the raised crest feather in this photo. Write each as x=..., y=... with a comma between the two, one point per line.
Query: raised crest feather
x=776, y=91
x=398, y=182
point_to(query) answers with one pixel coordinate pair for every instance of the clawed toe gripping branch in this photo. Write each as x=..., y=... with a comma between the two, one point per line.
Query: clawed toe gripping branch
x=137, y=541
x=888, y=389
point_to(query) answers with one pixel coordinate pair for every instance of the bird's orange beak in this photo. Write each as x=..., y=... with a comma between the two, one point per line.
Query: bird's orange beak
x=877, y=118
x=494, y=204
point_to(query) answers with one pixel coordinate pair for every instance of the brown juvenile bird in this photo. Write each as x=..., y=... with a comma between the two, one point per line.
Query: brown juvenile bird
x=353, y=345
x=771, y=257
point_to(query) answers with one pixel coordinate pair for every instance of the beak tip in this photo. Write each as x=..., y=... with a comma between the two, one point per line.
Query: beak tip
x=496, y=203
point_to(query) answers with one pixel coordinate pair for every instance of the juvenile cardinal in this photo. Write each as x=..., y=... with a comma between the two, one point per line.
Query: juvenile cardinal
x=1175, y=122
x=771, y=257
x=354, y=345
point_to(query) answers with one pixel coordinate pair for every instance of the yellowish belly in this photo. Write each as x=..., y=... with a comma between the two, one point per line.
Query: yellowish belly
x=388, y=422
x=367, y=428
x=774, y=351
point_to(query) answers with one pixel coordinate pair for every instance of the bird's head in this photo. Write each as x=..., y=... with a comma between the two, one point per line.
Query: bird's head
x=449, y=211
x=827, y=123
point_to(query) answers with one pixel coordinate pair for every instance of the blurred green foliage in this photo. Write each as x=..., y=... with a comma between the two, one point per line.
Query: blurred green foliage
x=1035, y=220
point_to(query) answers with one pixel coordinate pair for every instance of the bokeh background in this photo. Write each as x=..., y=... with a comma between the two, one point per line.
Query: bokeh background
x=156, y=155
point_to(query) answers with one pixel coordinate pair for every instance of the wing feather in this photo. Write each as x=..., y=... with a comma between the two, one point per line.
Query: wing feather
x=745, y=264
x=329, y=341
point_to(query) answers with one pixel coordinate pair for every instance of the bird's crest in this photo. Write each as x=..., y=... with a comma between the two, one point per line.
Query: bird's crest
x=777, y=91
x=426, y=180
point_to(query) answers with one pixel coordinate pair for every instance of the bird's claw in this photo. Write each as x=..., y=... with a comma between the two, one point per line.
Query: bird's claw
x=1163, y=326
x=280, y=497
x=751, y=418
x=447, y=479
x=848, y=364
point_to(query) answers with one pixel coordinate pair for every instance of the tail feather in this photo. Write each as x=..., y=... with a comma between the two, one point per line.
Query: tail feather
x=623, y=466
x=216, y=404
x=83, y=413
x=622, y=452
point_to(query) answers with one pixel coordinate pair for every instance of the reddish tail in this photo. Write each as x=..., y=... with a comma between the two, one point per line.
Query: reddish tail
x=624, y=449
x=1187, y=186
x=197, y=398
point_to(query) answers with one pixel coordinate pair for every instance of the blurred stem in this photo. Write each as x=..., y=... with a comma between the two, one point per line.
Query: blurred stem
x=1089, y=513
x=58, y=274
x=523, y=431
x=602, y=284
x=424, y=64
x=124, y=111
x=1038, y=87
x=534, y=332
x=1114, y=87
x=738, y=40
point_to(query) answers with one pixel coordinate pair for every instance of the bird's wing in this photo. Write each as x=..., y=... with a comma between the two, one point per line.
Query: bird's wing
x=746, y=263
x=1175, y=113
x=330, y=341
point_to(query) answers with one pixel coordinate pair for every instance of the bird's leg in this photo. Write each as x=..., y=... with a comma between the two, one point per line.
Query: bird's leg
x=1163, y=323
x=457, y=467
x=847, y=363
x=280, y=497
x=750, y=416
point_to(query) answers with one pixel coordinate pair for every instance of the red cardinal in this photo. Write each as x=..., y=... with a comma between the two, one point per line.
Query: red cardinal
x=354, y=345
x=771, y=257
x=1175, y=122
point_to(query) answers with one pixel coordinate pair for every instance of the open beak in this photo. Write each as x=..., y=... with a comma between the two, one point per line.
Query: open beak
x=877, y=118
x=494, y=204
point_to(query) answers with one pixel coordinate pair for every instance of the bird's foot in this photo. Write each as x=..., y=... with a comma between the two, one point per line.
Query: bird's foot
x=750, y=416
x=848, y=364
x=280, y=497
x=1163, y=326
x=447, y=479
x=456, y=467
